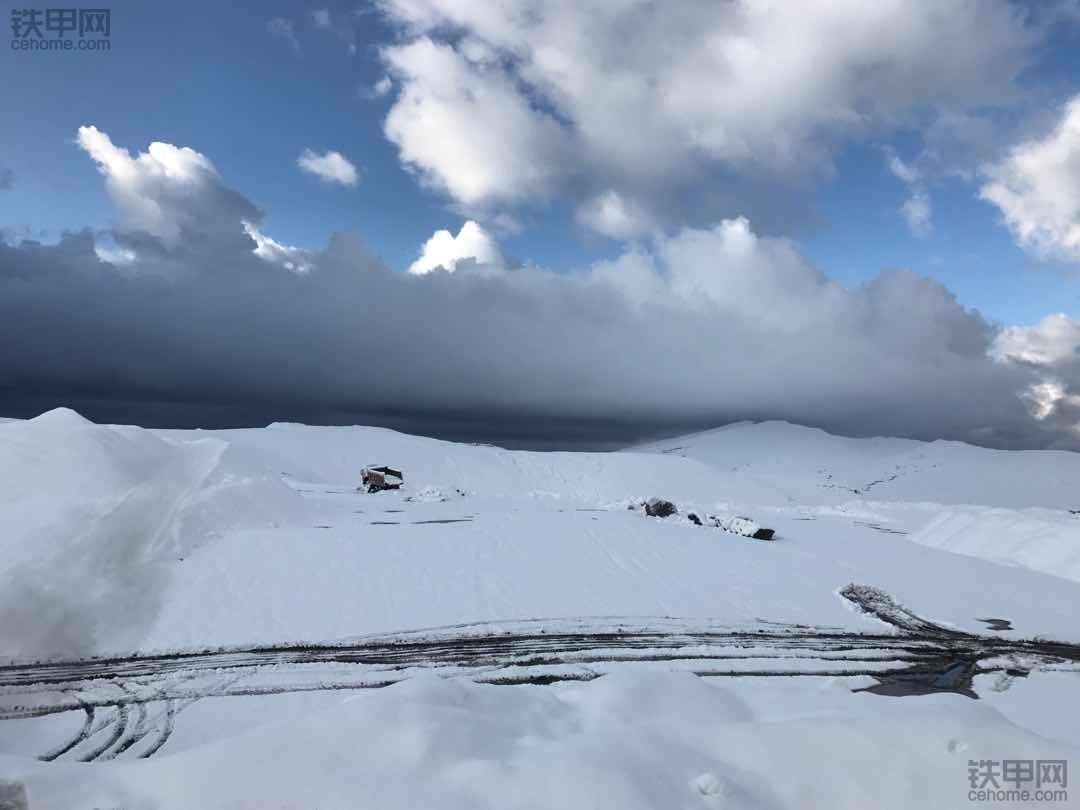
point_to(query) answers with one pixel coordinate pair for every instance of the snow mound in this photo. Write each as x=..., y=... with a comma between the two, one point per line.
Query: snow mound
x=61, y=419
x=61, y=473
x=93, y=514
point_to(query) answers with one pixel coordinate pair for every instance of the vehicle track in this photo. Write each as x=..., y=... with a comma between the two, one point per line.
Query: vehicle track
x=912, y=655
x=116, y=731
x=79, y=736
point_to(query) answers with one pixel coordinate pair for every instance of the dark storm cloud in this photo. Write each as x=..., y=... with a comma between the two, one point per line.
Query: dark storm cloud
x=192, y=325
x=352, y=337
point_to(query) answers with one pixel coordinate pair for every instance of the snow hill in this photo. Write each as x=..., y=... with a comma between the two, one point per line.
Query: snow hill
x=813, y=466
x=119, y=539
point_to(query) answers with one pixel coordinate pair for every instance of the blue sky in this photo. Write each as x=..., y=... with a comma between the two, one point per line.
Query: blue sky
x=211, y=76
x=969, y=250
x=854, y=140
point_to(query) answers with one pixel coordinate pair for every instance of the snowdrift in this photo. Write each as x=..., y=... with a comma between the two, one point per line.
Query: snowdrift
x=92, y=515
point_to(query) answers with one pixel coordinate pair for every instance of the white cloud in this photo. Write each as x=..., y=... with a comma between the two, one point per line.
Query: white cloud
x=905, y=171
x=513, y=102
x=284, y=29
x=121, y=257
x=173, y=194
x=382, y=86
x=916, y=209
x=611, y=215
x=320, y=18
x=331, y=167
x=469, y=130
x=1052, y=348
x=1055, y=340
x=270, y=250
x=1037, y=189
x=916, y=213
x=444, y=250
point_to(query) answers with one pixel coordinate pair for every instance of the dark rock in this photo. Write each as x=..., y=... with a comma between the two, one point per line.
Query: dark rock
x=658, y=507
x=763, y=534
x=694, y=519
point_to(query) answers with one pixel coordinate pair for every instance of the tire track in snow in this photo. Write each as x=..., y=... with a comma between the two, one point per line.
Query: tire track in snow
x=119, y=725
x=166, y=731
x=916, y=656
x=82, y=734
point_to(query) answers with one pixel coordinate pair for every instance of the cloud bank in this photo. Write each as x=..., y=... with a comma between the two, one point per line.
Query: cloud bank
x=701, y=327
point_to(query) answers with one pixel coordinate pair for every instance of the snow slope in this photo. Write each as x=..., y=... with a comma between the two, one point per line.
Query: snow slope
x=814, y=466
x=1040, y=539
x=1012, y=507
x=119, y=539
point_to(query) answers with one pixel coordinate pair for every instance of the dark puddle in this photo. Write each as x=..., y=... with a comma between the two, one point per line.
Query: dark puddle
x=954, y=678
x=997, y=625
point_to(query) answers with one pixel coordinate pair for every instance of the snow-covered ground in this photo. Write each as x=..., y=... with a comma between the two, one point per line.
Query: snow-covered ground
x=119, y=539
